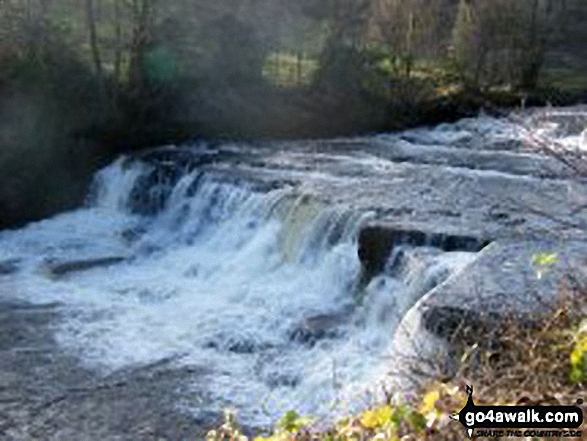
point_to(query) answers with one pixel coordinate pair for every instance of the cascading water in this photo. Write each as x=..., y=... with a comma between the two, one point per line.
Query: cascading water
x=258, y=288
x=256, y=282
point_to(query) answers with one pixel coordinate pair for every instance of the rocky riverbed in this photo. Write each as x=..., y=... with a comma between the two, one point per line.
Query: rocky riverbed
x=277, y=276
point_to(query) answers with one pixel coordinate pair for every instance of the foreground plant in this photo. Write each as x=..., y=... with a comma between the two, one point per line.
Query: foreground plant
x=401, y=420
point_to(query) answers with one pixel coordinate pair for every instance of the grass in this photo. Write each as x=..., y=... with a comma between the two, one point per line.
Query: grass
x=531, y=361
x=565, y=79
x=289, y=70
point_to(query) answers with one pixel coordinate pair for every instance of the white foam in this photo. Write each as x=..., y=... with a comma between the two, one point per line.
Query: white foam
x=220, y=278
x=209, y=284
x=567, y=127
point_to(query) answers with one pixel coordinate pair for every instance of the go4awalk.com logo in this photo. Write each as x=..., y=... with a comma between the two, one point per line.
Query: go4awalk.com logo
x=506, y=421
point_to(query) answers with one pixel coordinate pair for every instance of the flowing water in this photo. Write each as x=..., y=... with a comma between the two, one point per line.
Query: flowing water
x=261, y=288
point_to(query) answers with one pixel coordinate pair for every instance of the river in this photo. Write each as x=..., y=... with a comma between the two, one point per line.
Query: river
x=245, y=263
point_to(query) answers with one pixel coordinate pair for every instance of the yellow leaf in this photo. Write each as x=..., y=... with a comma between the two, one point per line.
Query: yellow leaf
x=579, y=360
x=429, y=401
x=545, y=259
x=370, y=419
x=373, y=419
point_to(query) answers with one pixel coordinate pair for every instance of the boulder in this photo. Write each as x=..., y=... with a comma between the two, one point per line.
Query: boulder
x=377, y=241
x=319, y=327
x=9, y=266
x=59, y=268
x=509, y=277
x=523, y=280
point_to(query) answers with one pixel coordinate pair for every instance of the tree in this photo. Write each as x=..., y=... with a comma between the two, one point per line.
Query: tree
x=470, y=47
x=343, y=61
x=142, y=35
x=543, y=16
x=503, y=42
x=118, y=41
x=413, y=29
x=94, y=38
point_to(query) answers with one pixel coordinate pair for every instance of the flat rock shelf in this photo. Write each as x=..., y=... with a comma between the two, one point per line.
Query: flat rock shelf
x=274, y=276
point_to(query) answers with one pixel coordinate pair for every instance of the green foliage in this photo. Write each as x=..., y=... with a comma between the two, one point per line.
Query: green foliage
x=386, y=422
x=503, y=42
x=160, y=66
x=343, y=67
x=229, y=431
x=392, y=419
x=545, y=259
x=578, y=358
x=289, y=70
x=293, y=423
x=543, y=262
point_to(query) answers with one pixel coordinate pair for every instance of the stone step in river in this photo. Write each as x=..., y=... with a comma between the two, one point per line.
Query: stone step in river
x=273, y=276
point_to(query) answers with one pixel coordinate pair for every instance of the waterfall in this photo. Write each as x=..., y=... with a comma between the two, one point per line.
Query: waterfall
x=257, y=287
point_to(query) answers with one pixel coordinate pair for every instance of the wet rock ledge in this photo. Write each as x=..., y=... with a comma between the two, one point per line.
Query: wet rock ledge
x=46, y=395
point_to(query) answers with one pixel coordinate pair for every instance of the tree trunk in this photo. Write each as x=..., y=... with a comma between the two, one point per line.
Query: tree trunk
x=140, y=40
x=94, y=37
x=409, y=58
x=118, y=43
x=535, y=49
x=299, y=68
x=42, y=41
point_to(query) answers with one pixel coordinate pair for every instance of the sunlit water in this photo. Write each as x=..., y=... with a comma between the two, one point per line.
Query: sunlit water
x=221, y=278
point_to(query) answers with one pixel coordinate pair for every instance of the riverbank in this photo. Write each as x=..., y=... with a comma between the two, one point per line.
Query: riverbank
x=50, y=149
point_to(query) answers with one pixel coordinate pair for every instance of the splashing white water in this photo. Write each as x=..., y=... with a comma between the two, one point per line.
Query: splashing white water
x=223, y=277
x=564, y=126
x=257, y=288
